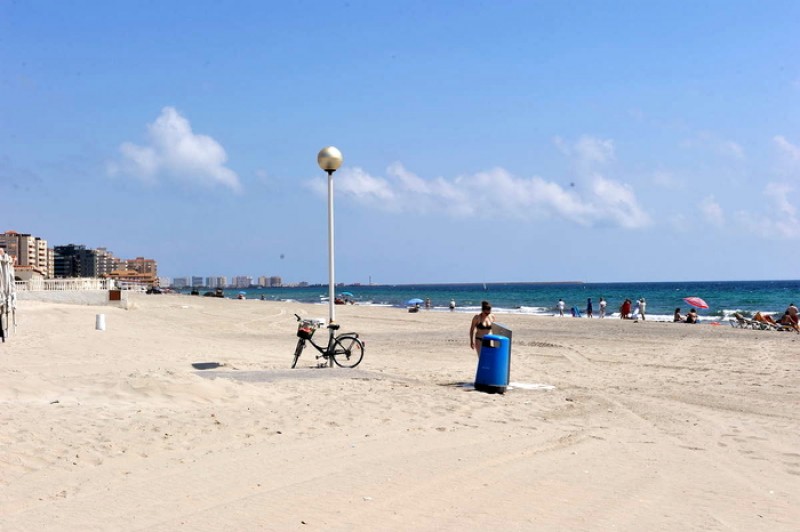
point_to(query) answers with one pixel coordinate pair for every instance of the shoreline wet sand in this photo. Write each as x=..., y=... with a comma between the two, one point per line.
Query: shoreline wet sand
x=655, y=426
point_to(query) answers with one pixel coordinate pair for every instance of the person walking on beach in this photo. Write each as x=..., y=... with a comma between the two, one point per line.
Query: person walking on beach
x=452, y=304
x=642, y=306
x=589, y=308
x=481, y=326
x=560, y=307
x=603, y=307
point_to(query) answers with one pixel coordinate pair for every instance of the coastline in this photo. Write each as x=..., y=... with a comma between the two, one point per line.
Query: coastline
x=650, y=425
x=725, y=298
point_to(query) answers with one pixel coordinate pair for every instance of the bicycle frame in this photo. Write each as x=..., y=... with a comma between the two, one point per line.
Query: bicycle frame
x=324, y=351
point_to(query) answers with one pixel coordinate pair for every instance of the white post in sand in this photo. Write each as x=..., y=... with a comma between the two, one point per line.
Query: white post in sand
x=330, y=159
x=100, y=322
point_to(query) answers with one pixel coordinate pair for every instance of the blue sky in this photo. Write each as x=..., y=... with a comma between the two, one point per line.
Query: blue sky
x=483, y=141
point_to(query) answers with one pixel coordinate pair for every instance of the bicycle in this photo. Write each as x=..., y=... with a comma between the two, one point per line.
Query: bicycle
x=346, y=350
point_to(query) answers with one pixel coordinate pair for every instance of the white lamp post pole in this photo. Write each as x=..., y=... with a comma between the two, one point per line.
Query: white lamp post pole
x=330, y=159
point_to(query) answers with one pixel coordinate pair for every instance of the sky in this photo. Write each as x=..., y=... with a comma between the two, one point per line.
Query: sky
x=483, y=141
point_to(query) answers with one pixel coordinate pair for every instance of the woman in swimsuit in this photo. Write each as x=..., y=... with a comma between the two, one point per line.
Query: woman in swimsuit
x=481, y=326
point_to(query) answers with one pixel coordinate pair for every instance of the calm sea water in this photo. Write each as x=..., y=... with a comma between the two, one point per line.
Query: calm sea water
x=723, y=297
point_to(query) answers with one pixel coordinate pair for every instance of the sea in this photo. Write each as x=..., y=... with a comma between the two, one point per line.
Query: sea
x=724, y=298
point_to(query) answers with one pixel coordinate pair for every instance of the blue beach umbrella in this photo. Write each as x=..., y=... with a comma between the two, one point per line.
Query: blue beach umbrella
x=415, y=301
x=348, y=294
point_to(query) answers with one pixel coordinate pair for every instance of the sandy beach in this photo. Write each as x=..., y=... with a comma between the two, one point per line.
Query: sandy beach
x=650, y=426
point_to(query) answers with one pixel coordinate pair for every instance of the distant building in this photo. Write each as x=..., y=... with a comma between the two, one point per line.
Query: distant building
x=219, y=281
x=275, y=281
x=141, y=265
x=74, y=260
x=28, y=250
x=106, y=262
x=263, y=280
x=242, y=281
x=302, y=284
x=164, y=281
x=51, y=263
x=180, y=282
x=132, y=276
x=197, y=281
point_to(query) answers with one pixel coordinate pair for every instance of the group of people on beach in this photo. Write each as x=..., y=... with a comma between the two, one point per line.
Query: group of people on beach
x=691, y=316
x=640, y=311
x=789, y=318
x=624, y=309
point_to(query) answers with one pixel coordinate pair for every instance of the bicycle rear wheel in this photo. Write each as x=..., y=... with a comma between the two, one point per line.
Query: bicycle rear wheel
x=299, y=349
x=347, y=351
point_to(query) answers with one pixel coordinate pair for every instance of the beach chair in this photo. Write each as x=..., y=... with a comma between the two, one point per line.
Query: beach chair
x=743, y=323
x=739, y=322
x=780, y=327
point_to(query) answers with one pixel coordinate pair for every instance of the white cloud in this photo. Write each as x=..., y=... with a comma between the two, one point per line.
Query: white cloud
x=779, y=194
x=562, y=145
x=493, y=193
x=712, y=211
x=175, y=151
x=792, y=151
x=587, y=151
x=782, y=222
x=594, y=150
x=731, y=148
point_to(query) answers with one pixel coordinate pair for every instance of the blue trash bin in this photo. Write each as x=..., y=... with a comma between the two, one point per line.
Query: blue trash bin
x=494, y=364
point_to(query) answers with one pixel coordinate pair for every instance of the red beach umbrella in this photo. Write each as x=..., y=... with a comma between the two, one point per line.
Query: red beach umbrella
x=696, y=302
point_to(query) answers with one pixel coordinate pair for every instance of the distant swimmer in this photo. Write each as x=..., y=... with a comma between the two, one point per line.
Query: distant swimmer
x=452, y=304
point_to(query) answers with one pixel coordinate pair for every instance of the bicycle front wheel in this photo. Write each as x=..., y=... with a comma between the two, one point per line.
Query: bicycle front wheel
x=347, y=351
x=299, y=349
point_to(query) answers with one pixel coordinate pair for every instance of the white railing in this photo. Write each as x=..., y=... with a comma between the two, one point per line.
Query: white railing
x=71, y=284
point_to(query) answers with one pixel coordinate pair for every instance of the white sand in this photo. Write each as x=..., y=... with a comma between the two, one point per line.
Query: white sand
x=651, y=426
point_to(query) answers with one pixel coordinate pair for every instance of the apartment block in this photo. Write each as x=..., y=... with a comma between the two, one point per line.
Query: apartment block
x=28, y=251
x=106, y=262
x=242, y=281
x=141, y=265
x=180, y=282
x=74, y=260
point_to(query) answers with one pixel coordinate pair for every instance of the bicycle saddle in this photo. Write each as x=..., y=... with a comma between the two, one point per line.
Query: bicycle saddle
x=333, y=326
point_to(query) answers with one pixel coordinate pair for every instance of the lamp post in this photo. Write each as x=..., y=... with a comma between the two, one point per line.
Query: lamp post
x=330, y=159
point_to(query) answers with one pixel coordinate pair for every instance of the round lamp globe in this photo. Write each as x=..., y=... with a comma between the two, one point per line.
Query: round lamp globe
x=329, y=159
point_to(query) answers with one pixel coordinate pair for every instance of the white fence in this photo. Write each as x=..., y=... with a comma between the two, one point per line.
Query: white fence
x=74, y=284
